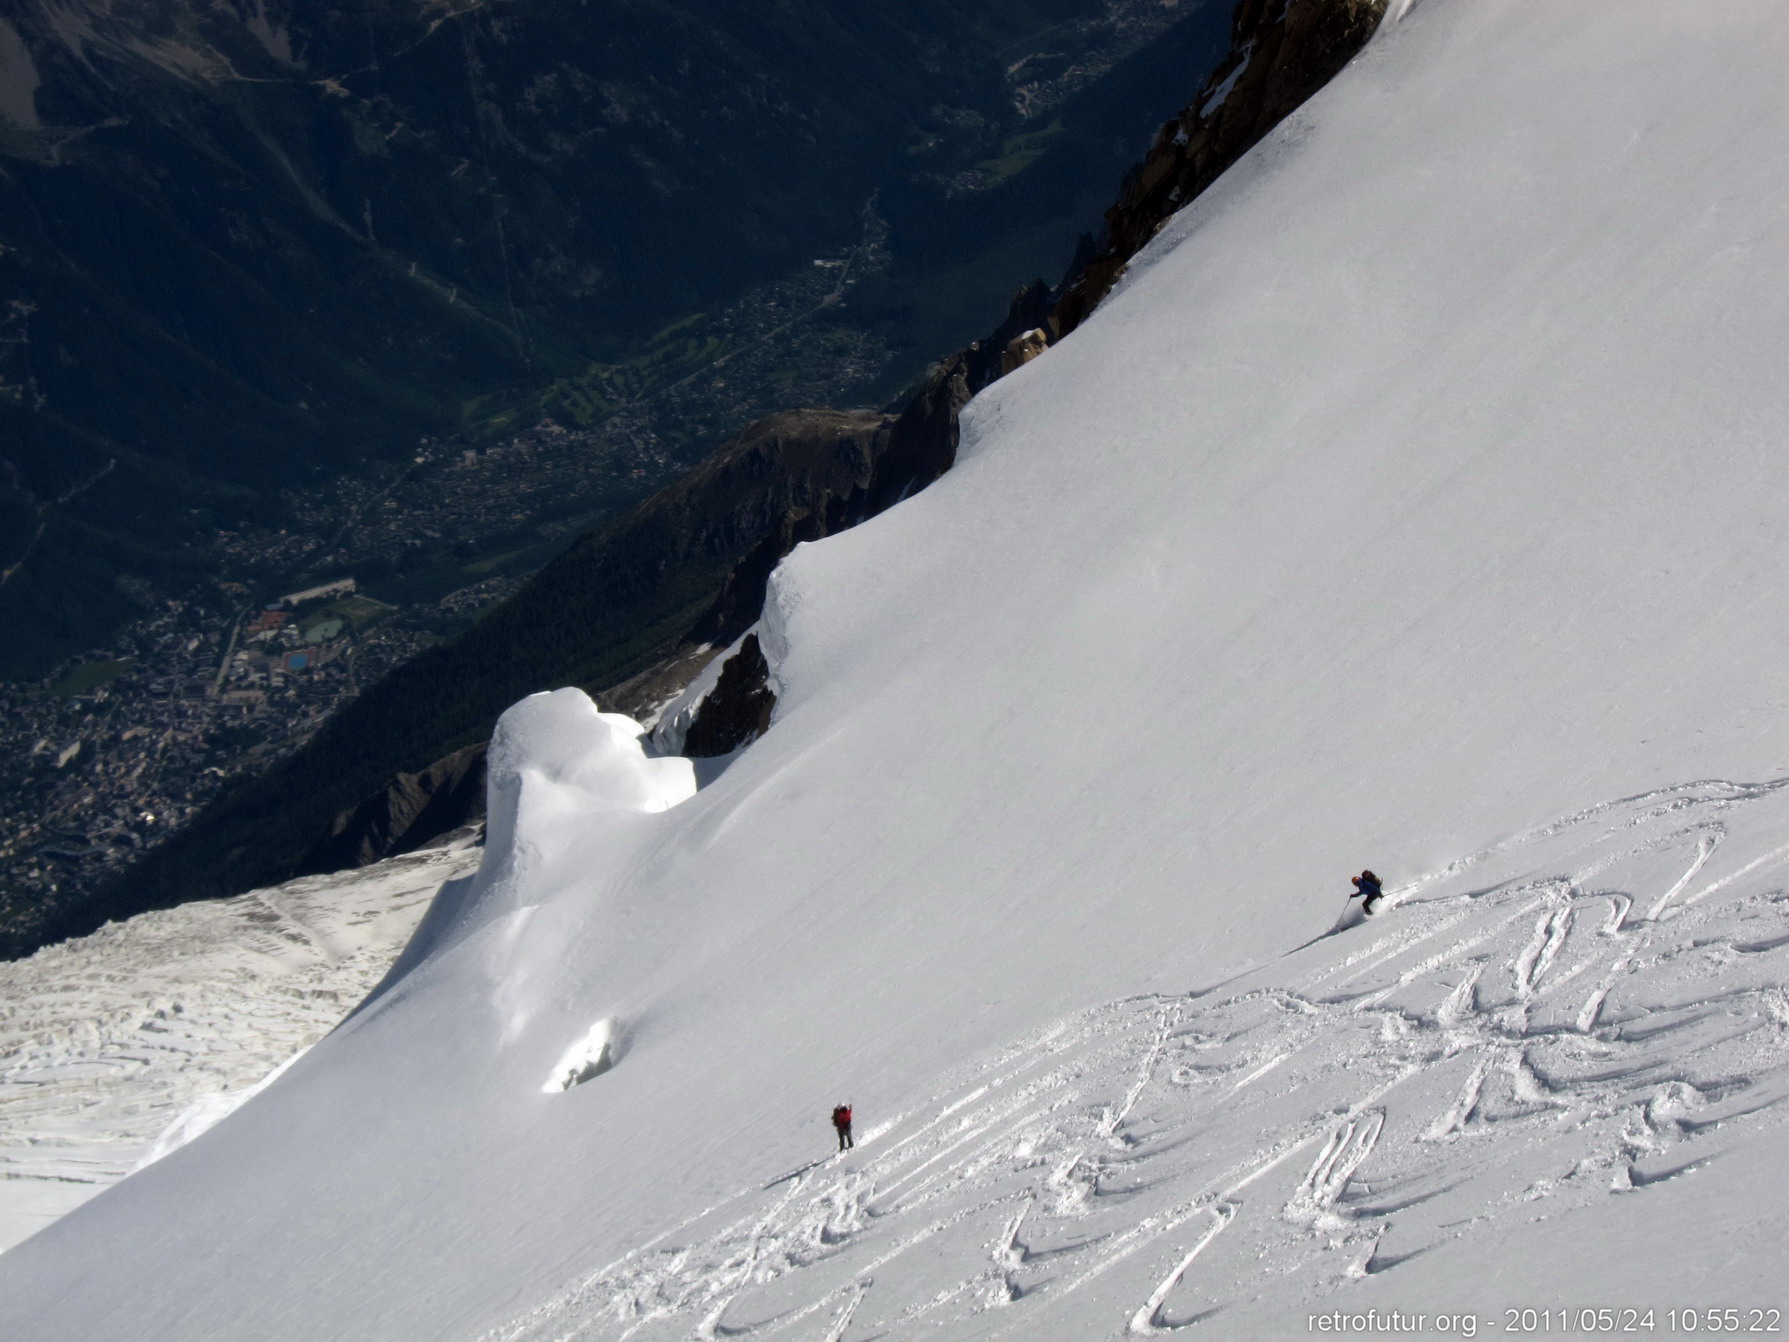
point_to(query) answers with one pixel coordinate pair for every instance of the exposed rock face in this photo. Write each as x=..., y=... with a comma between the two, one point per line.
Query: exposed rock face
x=909, y=452
x=1021, y=350
x=1030, y=309
x=738, y=710
x=807, y=514
x=642, y=697
x=413, y=809
x=1281, y=52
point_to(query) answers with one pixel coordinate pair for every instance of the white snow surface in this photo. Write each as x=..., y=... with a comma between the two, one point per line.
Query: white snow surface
x=119, y=1047
x=1415, y=503
x=1217, y=96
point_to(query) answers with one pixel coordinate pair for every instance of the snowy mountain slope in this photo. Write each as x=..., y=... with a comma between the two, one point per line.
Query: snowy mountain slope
x=163, y=1022
x=1560, y=1030
x=1420, y=486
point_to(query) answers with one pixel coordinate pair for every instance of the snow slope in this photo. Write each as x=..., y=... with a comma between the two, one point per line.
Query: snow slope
x=1416, y=500
x=115, y=1046
x=1566, y=1026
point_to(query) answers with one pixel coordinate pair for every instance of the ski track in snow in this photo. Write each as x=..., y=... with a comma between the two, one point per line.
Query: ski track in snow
x=107, y=1040
x=1517, y=1033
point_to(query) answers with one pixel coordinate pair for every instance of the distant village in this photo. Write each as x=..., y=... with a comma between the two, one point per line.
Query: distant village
x=122, y=750
x=275, y=643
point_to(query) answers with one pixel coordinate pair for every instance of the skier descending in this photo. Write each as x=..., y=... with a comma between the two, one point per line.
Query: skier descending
x=1367, y=886
x=841, y=1120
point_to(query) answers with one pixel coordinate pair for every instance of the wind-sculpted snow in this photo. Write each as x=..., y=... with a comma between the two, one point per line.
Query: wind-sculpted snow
x=562, y=777
x=1567, y=1020
x=557, y=763
x=590, y=1057
x=118, y=1047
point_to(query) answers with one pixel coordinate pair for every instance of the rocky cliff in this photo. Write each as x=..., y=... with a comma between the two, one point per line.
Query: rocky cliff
x=1281, y=52
x=410, y=811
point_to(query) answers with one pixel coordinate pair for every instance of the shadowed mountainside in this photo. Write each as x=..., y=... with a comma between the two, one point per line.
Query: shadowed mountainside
x=631, y=612
x=610, y=608
x=243, y=249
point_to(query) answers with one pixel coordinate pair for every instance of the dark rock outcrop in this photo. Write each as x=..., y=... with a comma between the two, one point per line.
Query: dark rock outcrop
x=1281, y=52
x=640, y=697
x=1021, y=350
x=908, y=453
x=737, y=711
x=413, y=809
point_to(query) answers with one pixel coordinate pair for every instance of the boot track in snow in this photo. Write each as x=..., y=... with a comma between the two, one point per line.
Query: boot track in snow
x=1519, y=1037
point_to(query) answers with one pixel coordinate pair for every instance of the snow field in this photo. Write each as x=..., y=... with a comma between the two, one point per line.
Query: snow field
x=117, y=1047
x=1543, y=1030
x=1423, y=481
